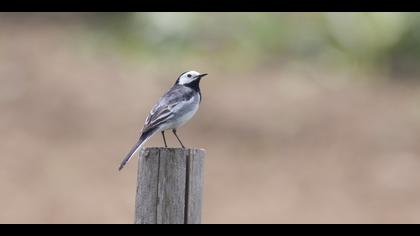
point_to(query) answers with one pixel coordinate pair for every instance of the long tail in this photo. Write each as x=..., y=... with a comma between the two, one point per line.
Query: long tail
x=143, y=138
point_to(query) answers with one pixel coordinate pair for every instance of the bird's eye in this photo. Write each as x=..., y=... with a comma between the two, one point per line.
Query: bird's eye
x=189, y=75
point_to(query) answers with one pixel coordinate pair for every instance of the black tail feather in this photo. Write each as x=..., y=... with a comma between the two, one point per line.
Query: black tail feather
x=144, y=136
x=130, y=154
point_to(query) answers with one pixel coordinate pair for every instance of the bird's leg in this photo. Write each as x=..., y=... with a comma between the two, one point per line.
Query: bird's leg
x=164, y=140
x=174, y=130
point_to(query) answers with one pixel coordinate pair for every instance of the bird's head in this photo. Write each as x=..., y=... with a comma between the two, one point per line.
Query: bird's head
x=189, y=77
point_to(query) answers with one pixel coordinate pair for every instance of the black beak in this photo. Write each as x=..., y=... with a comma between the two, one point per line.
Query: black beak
x=202, y=75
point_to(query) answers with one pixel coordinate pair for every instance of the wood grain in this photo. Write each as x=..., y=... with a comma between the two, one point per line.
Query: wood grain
x=170, y=185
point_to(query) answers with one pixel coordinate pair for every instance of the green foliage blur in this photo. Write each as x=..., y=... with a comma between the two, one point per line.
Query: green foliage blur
x=380, y=41
x=388, y=42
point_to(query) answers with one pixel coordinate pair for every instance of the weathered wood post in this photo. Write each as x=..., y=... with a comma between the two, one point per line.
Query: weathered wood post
x=169, y=186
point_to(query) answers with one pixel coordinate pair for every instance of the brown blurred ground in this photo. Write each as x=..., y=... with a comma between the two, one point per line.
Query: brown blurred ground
x=284, y=144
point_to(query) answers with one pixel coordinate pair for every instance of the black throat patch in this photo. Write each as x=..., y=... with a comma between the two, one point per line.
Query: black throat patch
x=195, y=85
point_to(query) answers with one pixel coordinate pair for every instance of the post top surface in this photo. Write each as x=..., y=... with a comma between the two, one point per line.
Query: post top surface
x=172, y=149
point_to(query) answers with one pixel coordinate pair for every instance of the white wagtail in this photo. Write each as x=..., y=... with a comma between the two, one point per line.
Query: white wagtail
x=174, y=108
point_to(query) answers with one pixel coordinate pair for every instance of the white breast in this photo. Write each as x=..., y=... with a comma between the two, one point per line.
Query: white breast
x=187, y=116
x=183, y=113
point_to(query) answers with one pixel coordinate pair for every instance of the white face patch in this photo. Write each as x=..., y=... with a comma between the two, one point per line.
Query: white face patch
x=188, y=77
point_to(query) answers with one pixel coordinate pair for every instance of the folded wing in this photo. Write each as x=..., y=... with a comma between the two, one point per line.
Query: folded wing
x=168, y=105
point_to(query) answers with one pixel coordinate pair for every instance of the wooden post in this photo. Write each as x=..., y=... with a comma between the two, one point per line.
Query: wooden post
x=169, y=187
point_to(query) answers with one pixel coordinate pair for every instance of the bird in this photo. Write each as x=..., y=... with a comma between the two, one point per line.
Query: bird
x=175, y=108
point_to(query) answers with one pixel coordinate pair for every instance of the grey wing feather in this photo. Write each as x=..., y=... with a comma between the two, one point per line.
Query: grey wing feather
x=163, y=109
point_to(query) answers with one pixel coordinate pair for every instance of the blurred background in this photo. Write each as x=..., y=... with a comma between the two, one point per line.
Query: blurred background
x=306, y=117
